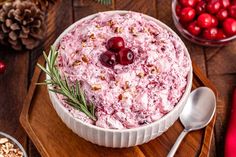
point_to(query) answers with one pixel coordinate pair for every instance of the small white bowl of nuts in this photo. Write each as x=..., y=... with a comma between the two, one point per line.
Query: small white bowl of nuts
x=10, y=147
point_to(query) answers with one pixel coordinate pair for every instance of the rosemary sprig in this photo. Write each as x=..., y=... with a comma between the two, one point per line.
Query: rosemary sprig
x=105, y=2
x=74, y=96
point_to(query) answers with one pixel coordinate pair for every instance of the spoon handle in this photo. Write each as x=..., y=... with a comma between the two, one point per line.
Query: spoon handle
x=177, y=143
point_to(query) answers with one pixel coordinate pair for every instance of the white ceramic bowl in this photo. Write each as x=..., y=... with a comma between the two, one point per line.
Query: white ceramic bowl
x=126, y=137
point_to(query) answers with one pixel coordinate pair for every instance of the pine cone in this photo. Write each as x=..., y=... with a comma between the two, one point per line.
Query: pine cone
x=22, y=24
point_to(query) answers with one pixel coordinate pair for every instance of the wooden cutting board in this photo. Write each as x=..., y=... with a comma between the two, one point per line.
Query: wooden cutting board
x=53, y=139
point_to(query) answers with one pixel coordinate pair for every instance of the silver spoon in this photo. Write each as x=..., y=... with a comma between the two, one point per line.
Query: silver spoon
x=197, y=113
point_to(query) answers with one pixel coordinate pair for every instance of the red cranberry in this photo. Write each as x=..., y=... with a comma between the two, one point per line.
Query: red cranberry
x=194, y=29
x=214, y=21
x=213, y=6
x=222, y=14
x=220, y=34
x=187, y=14
x=108, y=59
x=229, y=26
x=201, y=7
x=188, y=3
x=232, y=11
x=224, y=3
x=125, y=56
x=210, y=33
x=2, y=67
x=115, y=44
x=178, y=10
x=204, y=20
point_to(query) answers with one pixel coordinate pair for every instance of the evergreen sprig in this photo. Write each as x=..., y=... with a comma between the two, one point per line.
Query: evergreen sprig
x=74, y=96
x=105, y=2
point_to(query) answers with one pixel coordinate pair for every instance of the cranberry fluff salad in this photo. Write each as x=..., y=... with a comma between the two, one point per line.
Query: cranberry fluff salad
x=130, y=68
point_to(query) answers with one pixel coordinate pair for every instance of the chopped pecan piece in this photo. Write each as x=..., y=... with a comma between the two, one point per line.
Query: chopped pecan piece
x=85, y=59
x=96, y=87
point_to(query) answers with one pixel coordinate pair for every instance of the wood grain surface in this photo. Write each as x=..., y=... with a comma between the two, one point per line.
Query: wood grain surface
x=218, y=64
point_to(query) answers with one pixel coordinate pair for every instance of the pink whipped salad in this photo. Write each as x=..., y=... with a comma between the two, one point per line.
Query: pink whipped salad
x=125, y=96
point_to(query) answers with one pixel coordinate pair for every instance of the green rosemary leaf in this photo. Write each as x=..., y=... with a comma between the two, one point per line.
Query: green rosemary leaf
x=82, y=97
x=105, y=2
x=46, y=58
x=42, y=68
x=56, y=91
x=74, y=96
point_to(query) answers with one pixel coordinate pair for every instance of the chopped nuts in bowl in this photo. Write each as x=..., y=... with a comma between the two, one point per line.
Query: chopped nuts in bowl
x=10, y=147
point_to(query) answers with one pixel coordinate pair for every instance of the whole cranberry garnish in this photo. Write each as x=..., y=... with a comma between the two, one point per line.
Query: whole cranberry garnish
x=214, y=21
x=108, y=59
x=200, y=7
x=188, y=3
x=125, y=56
x=194, y=29
x=115, y=44
x=213, y=6
x=210, y=33
x=222, y=14
x=204, y=20
x=2, y=67
x=224, y=3
x=229, y=26
x=232, y=11
x=187, y=14
x=220, y=34
x=178, y=9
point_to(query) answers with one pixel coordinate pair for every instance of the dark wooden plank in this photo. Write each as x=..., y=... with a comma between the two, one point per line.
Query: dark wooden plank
x=224, y=61
x=143, y=6
x=13, y=89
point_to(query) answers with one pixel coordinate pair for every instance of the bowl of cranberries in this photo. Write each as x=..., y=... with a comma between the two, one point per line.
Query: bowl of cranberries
x=206, y=22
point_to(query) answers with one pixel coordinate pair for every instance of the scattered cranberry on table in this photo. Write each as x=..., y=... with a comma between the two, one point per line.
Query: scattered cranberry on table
x=208, y=19
x=2, y=67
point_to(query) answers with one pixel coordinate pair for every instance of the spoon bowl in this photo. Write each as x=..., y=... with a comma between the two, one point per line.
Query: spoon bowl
x=199, y=109
x=197, y=113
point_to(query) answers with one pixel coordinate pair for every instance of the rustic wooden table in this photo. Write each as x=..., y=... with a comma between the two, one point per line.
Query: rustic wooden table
x=218, y=64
